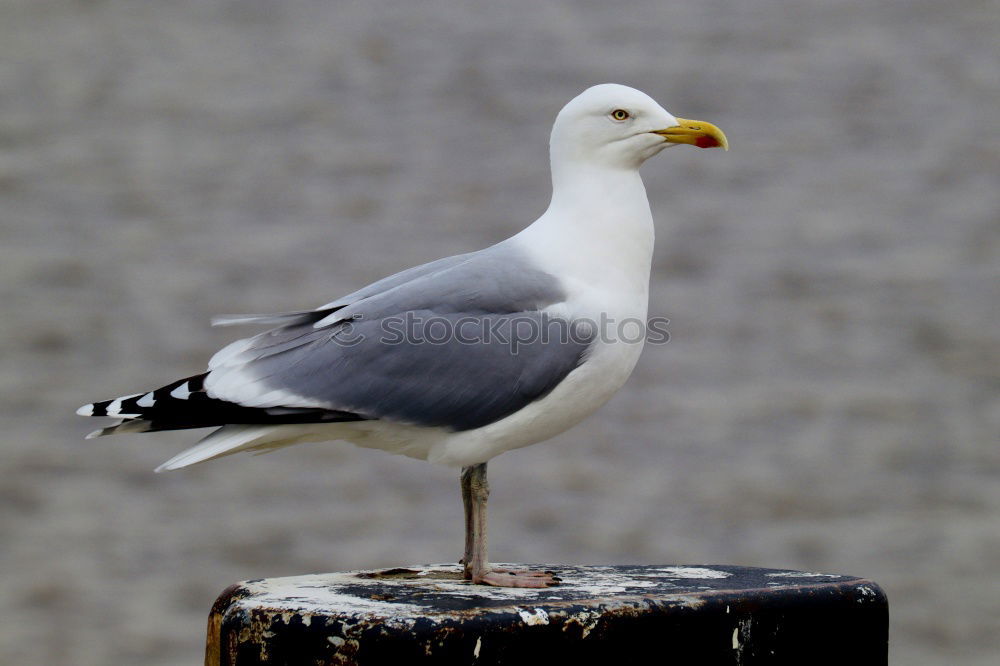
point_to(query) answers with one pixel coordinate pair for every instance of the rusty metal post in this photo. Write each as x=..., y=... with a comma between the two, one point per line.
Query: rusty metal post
x=706, y=614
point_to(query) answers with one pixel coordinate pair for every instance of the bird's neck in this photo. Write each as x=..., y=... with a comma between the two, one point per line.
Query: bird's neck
x=598, y=227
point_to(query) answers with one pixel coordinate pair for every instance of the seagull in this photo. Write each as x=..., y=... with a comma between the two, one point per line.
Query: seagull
x=461, y=359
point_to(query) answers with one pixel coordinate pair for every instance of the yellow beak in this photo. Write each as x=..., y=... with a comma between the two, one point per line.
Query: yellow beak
x=695, y=133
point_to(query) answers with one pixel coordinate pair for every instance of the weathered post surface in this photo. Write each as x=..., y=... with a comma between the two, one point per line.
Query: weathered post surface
x=704, y=614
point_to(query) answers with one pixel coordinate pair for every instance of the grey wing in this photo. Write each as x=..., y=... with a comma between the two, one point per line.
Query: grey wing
x=461, y=347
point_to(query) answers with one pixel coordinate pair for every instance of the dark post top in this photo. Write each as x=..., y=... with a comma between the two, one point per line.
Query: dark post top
x=709, y=614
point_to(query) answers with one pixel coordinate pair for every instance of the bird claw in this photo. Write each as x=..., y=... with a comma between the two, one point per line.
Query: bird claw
x=524, y=579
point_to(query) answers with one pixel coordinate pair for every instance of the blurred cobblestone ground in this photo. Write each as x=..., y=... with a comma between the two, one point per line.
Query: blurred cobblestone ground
x=828, y=401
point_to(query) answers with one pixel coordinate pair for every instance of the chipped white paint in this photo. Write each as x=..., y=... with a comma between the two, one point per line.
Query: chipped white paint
x=319, y=593
x=602, y=587
x=586, y=619
x=741, y=637
x=689, y=572
x=533, y=617
x=406, y=599
x=867, y=594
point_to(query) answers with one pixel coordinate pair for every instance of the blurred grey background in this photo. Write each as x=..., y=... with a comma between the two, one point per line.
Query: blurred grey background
x=828, y=401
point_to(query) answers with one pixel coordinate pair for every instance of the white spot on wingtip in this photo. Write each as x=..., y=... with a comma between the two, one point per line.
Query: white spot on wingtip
x=86, y=410
x=146, y=400
x=182, y=392
x=115, y=408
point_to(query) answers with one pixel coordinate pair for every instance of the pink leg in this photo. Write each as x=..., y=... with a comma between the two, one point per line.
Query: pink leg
x=475, y=492
x=503, y=578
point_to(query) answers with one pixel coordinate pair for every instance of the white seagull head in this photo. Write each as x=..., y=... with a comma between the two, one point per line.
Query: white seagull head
x=615, y=126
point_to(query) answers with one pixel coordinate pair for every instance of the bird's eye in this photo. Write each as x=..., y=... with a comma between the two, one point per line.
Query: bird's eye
x=619, y=115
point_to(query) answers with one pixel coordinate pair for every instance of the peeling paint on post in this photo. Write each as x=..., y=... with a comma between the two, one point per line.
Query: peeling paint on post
x=614, y=614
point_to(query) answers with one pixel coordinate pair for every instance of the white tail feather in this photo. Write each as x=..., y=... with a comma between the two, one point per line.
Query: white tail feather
x=225, y=441
x=231, y=439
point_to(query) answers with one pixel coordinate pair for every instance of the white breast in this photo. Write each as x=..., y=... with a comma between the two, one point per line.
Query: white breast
x=601, y=252
x=580, y=394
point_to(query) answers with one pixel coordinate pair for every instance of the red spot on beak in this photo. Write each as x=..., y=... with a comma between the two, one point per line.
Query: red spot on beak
x=706, y=142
